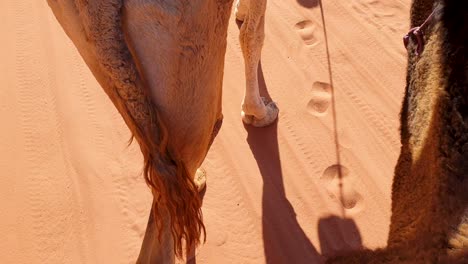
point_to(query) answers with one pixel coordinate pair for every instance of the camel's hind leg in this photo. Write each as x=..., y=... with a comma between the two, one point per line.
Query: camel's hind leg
x=255, y=110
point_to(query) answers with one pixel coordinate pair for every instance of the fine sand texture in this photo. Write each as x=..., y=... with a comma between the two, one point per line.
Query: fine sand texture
x=72, y=191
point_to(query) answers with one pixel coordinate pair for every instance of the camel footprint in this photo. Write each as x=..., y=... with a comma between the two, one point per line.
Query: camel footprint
x=340, y=187
x=307, y=31
x=321, y=98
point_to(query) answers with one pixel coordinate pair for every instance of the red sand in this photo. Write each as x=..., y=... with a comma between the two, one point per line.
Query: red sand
x=72, y=192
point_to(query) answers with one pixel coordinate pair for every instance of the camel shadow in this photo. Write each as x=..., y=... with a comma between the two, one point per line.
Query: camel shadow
x=284, y=240
x=308, y=3
x=338, y=235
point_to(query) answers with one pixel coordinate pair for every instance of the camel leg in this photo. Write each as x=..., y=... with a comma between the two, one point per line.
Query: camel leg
x=154, y=250
x=255, y=109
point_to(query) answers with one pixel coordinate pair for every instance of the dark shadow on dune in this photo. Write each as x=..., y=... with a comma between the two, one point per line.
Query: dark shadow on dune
x=284, y=239
x=338, y=235
x=308, y=3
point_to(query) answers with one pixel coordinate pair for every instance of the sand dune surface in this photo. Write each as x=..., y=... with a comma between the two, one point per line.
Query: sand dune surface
x=71, y=191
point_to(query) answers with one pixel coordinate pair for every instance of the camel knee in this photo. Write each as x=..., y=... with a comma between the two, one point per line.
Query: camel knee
x=252, y=13
x=242, y=9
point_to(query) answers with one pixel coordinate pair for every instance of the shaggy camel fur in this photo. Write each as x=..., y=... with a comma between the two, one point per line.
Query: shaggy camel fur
x=429, y=222
x=161, y=63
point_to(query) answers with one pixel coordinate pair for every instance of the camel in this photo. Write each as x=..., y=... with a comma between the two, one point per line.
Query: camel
x=429, y=222
x=161, y=64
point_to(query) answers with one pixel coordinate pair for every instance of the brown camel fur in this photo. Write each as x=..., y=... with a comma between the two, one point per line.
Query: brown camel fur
x=161, y=63
x=429, y=222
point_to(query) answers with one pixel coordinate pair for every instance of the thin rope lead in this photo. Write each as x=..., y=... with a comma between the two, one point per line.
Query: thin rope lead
x=335, y=123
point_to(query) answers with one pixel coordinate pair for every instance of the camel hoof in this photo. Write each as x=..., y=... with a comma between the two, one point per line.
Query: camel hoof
x=200, y=179
x=271, y=115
